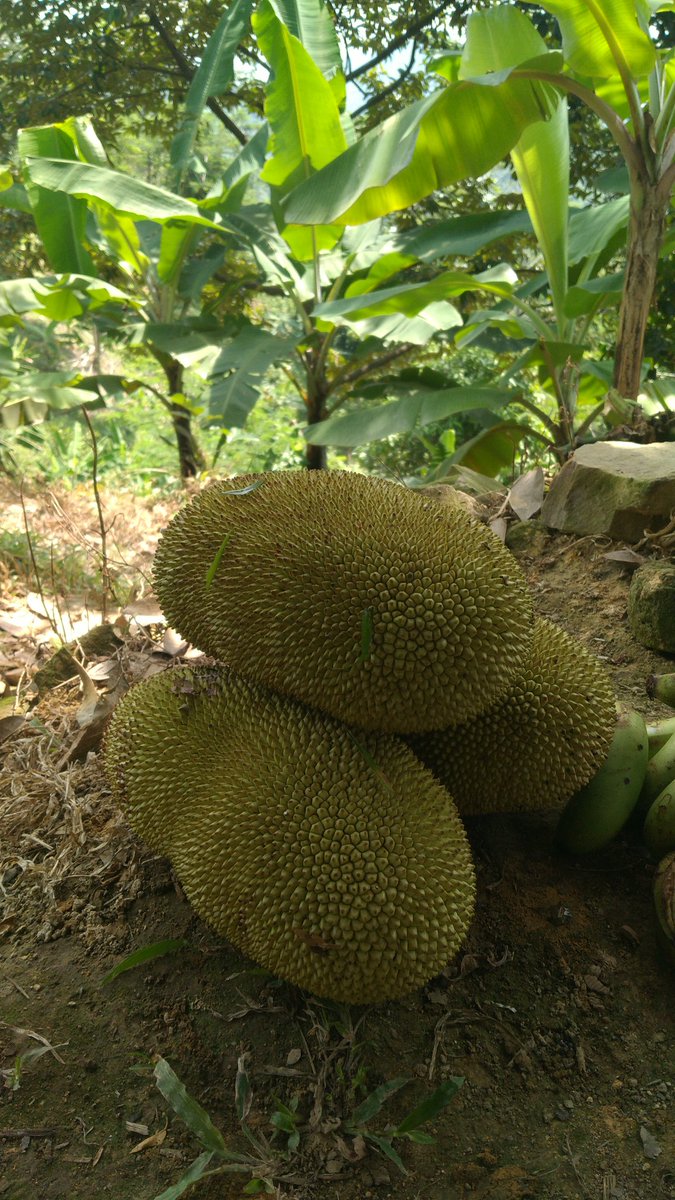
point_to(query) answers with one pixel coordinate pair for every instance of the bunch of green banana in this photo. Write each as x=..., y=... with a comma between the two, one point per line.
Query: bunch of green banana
x=596, y=814
x=657, y=798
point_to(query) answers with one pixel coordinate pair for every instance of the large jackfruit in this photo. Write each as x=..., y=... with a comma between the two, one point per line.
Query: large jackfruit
x=332, y=858
x=542, y=742
x=353, y=594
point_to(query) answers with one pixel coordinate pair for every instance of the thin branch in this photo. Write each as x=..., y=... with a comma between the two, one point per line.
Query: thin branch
x=345, y=377
x=38, y=578
x=411, y=31
x=105, y=572
x=391, y=87
x=188, y=74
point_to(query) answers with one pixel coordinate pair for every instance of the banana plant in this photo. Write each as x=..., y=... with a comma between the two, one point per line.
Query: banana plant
x=87, y=213
x=608, y=60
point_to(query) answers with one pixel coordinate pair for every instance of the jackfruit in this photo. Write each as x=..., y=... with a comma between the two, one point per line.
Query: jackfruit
x=542, y=742
x=350, y=593
x=331, y=857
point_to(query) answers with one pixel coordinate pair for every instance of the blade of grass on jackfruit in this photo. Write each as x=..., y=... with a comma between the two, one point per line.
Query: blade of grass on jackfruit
x=211, y=573
x=366, y=633
x=374, y=766
x=145, y=954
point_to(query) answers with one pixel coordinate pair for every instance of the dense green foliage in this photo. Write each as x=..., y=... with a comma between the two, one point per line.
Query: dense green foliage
x=286, y=255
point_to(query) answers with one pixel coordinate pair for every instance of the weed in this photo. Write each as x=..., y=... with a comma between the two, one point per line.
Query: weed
x=269, y=1163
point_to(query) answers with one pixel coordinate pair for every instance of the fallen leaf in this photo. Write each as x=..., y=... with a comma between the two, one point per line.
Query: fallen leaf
x=145, y=612
x=90, y=697
x=22, y=623
x=625, y=556
x=526, y=496
x=155, y=1139
x=172, y=644
x=103, y=669
x=10, y=725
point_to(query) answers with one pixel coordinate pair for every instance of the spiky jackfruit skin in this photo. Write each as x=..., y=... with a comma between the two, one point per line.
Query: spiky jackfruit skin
x=352, y=594
x=332, y=858
x=542, y=742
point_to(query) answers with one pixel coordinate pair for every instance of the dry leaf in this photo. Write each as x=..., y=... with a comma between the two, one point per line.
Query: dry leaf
x=172, y=644
x=145, y=612
x=527, y=494
x=103, y=669
x=155, y=1139
x=22, y=623
x=10, y=725
x=90, y=697
x=625, y=556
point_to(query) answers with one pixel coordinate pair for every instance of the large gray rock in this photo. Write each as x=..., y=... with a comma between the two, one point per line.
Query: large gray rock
x=614, y=488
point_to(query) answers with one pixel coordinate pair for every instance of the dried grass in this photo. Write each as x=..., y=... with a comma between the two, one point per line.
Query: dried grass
x=68, y=861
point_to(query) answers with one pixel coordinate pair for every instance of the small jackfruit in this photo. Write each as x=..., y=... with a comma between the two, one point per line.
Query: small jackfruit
x=350, y=593
x=333, y=858
x=542, y=742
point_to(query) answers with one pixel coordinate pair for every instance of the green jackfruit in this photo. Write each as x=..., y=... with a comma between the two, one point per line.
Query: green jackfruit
x=352, y=594
x=332, y=858
x=542, y=742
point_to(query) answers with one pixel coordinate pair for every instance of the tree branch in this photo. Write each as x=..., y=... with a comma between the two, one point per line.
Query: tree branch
x=391, y=87
x=188, y=74
x=411, y=31
x=345, y=377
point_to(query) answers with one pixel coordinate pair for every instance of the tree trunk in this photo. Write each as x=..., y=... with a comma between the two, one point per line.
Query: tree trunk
x=646, y=231
x=316, y=457
x=190, y=456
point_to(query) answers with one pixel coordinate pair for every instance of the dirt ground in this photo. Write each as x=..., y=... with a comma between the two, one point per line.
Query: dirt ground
x=558, y=1013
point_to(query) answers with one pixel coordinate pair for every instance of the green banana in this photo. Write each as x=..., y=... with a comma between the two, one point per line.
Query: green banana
x=658, y=734
x=660, y=772
x=662, y=687
x=659, y=829
x=664, y=902
x=596, y=814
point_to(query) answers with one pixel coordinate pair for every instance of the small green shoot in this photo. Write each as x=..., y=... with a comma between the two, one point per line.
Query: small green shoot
x=12, y=1076
x=366, y=633
x=284, y=1119
x=145, y=954
x=211, y=573
x=263, y=1166
x=409, y=1127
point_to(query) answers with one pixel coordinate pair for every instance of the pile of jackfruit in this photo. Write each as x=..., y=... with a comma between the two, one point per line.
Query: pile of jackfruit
x=377, y=673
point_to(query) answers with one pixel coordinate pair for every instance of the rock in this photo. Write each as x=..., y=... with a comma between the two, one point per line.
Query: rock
x=614, y=488
x=651, y=606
